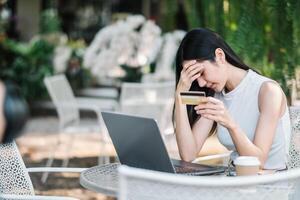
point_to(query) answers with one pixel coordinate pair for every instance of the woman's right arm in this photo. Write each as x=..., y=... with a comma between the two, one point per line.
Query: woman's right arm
x=189, y=140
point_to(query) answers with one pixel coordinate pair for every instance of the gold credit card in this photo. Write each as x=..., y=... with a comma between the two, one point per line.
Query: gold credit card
x=193, y=97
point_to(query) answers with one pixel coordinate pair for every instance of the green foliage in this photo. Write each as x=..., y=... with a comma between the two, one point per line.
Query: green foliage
x=213, y=12
x=132, y=74
x=281, y=45
x=265, y=33
x=49, y=22
x=247, y=40
x=27, y=65
x=193, y=18
x=78, y=76
x=169, y=9
x=293, y=8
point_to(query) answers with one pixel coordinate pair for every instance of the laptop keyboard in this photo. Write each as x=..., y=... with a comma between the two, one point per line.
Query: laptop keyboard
x=185, y=170
x=191, y=171
x=180, y=169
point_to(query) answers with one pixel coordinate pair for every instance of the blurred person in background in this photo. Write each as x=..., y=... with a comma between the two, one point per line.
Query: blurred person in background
x=13, y=112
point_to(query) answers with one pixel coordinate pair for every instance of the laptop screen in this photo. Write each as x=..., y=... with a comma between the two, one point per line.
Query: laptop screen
x=138, y=142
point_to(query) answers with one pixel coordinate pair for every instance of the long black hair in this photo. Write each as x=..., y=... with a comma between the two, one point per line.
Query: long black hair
x=200, y=44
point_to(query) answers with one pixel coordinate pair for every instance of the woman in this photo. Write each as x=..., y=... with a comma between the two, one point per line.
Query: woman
x=13, y=112
x=248, y=111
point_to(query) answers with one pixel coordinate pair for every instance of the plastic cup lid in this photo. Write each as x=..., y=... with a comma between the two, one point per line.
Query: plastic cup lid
x=246, y=161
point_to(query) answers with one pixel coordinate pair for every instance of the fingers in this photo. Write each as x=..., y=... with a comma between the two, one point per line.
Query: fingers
x=191, y=70
x=214, y=100
x=206, y=106
x=211, y=103
x=214, y=110
x=210, y=112
x=190, y=65
x=187, y=64
x=195, y=69
x=194, y=77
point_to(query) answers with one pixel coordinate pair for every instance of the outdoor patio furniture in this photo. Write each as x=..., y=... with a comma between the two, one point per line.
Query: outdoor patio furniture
x=15, y=182
x=105, y=92
x=102, y=179
x=136, y=184
x=164, y=64
x=152, y=100
x=294, y=139
x=68, y=106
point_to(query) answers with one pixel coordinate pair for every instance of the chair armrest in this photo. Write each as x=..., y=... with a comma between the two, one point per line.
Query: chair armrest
x=55, y=169
x=224, y=157
x=35, y=197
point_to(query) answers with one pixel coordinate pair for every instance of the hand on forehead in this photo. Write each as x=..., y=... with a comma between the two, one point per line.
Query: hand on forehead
x=192, y=62
x=192, y=65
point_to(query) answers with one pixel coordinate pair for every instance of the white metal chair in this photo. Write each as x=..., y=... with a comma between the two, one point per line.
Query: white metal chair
x=136, y=184
x=15, y=182
x=294, y=139
x=68, y=106
x=166, y=58
x=152, y=100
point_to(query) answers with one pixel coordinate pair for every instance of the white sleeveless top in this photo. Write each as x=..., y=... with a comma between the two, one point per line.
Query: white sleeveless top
x=242, y=104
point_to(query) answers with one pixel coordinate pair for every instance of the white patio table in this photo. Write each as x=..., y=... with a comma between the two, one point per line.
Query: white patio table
x=102, y=179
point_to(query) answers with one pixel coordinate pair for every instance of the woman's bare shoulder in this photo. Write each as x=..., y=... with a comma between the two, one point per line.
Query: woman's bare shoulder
x=271, y=96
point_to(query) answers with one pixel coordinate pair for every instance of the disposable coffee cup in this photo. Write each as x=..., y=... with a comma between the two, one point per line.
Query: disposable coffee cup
x=246, y=165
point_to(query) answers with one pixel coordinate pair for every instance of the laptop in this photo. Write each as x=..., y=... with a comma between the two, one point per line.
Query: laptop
x=138, y=143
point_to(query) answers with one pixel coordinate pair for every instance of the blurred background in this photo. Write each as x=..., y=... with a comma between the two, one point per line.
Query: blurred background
x=100, y=44
x=44, y=37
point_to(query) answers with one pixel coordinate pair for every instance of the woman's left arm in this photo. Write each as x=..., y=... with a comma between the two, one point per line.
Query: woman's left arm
x=271, y=106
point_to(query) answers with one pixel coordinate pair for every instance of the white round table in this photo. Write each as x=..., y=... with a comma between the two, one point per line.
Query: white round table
x=102, y=179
